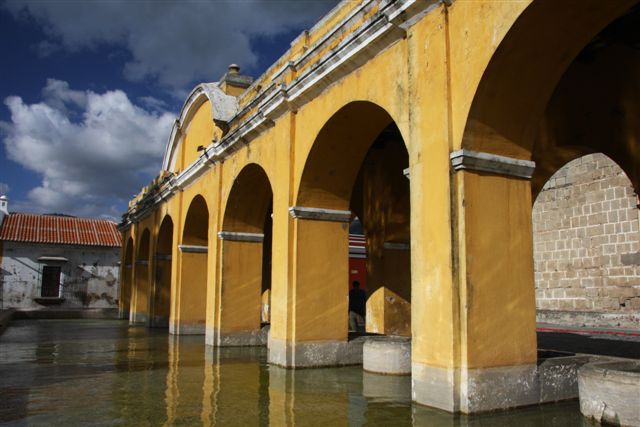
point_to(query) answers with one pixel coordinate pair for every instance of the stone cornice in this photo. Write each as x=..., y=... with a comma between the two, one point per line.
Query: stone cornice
x=193, y=249
x=319, y=214
x=492, y=163
x=237, y=236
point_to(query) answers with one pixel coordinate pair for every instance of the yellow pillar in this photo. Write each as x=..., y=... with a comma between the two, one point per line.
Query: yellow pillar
x=191, y=303
x=315, y=333
x=490, y=362
x=126, y=275
x=140, y=299
x=161, y=291
x=241, y=294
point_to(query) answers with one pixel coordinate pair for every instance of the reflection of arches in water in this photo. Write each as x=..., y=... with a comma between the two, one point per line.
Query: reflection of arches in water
x=585, y=225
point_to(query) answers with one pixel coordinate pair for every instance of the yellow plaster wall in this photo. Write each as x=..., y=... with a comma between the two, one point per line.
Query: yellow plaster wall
x=193, y=281
x=397, y=292
x=475, y=29
x=471, y=278
x=199, y=131
x=126, y=274
x=321, y=277
x=141, y=273
x=241, y=286
x=434, y=315
x=497, y=293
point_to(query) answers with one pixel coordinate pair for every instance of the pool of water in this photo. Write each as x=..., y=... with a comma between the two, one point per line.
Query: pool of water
x=106, y=373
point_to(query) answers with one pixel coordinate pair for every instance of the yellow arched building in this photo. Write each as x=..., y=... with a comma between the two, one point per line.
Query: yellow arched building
x=435, y=122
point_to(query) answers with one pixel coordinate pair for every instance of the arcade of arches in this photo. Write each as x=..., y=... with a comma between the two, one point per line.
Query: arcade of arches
x=437, y=124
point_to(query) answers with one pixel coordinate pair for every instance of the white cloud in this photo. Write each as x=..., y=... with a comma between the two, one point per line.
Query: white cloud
x=172, y=42
x=92, y=150
x=4, y=188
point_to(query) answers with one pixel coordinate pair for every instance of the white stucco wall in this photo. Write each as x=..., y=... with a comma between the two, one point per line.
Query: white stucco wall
x=89, y=279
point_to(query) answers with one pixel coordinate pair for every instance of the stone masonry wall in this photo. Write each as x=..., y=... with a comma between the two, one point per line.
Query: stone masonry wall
x=587, y=246
x=89, y=278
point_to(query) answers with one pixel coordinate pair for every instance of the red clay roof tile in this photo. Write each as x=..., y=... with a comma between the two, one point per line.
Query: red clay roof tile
x=22, y=227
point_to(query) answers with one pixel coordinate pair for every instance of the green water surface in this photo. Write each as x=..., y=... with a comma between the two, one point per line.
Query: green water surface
x=107, y=373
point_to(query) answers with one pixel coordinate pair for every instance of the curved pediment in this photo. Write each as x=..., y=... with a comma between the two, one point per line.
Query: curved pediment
x=223, y=108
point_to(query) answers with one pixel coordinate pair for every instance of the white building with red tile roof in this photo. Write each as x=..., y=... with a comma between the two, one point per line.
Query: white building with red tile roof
x=58, y=262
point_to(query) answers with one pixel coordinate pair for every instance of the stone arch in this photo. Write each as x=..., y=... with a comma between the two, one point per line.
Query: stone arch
x=192, y=293
x=329, y=174
x=140, y=295
x=127, y=279
x=196, y=223
x=527, y=75
x=522, y=110
x=245, y=259
x=358, y=149
x=161, y=306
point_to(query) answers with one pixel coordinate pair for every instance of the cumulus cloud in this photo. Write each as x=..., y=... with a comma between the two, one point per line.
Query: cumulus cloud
x=171, y=42
x=93, y=151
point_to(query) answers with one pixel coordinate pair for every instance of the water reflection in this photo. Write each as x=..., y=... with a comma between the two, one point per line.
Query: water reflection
x=107, y=373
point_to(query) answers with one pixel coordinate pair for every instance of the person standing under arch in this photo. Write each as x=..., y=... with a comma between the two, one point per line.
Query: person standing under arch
x=357, y=307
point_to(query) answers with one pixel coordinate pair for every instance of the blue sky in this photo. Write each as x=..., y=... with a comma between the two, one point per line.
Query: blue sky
x=89, y=89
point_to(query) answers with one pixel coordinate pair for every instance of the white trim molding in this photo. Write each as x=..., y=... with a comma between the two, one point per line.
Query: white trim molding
x=365, y=32
x=320, y=214
x=492, y=163
x=193, y=249
x=238, y=236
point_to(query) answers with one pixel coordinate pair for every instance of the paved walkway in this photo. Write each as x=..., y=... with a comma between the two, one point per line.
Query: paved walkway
x=605, y=341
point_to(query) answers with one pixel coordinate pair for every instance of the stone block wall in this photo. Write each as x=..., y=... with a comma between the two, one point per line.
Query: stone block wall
x=587, y=246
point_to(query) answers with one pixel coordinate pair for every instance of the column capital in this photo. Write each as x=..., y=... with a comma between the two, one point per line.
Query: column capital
x=197, y=249
x=492, y=163
x=238, y=236
x=320, y=214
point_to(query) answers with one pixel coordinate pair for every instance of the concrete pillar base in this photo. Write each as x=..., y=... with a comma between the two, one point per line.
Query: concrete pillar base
x=389, y=355
x=610, y=392
x=315, y=353
x=240, y=339
x=138, y=319
x=187, y=329
x=478, y=390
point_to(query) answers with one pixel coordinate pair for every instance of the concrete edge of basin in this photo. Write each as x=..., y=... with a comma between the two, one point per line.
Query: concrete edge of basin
x=387, y=355
x=609, y=391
